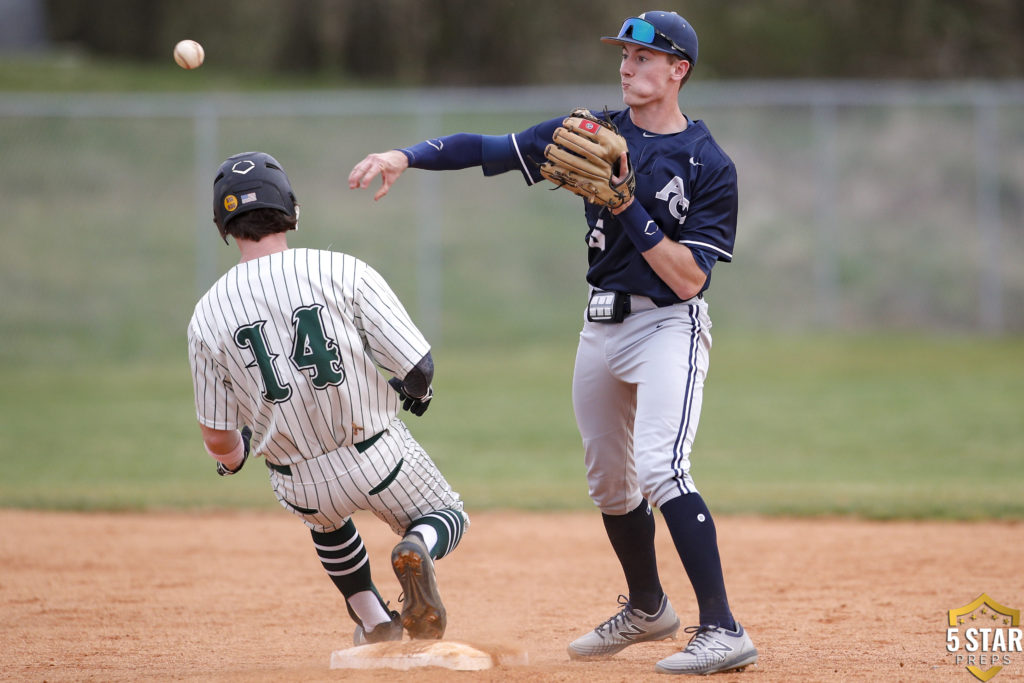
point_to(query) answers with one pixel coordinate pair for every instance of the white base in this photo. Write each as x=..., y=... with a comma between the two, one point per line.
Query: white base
x=410, y=654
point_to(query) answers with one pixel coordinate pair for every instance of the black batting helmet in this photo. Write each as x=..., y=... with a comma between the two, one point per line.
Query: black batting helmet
x=247, y=181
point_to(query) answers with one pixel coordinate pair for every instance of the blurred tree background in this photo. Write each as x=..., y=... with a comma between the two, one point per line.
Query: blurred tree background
x=516, y=42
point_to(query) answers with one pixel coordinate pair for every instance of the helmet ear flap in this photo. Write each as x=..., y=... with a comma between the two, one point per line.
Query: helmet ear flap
x=216, y=217
x=221, y=230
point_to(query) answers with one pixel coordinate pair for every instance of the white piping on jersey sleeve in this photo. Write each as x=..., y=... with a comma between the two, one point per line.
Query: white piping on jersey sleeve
x=707, y=246
x=522, y=162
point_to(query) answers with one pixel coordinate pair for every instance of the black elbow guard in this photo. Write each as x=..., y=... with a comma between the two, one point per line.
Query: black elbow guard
x=417, y=382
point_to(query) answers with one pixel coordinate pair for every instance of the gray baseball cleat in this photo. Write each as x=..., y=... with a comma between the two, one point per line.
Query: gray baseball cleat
x=423, y=613
x=711, y=649
x=391, y=630
x=625, y=628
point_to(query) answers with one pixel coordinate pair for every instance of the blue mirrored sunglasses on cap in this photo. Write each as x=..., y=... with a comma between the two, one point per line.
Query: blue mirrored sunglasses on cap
x=643, y=31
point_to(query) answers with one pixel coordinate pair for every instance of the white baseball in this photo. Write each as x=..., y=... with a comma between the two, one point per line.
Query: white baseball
x=189, y=54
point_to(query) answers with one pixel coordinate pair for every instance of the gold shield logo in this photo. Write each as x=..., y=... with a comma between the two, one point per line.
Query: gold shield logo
x=231, y=202
x=984, y=635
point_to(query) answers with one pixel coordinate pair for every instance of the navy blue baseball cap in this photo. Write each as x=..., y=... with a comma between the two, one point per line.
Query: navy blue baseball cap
x=662, y=31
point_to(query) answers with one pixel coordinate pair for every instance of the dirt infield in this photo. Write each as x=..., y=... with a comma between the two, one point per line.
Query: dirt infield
x=242, y=597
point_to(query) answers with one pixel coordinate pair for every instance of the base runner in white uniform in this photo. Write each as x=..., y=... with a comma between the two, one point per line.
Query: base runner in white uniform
x=285, y=352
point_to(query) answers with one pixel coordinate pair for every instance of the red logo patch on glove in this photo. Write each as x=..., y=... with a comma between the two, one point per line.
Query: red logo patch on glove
x=589, y=126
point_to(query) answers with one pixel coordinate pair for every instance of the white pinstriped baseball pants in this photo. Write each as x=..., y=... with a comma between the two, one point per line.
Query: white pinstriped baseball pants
x=637, y=392
x=394, y=479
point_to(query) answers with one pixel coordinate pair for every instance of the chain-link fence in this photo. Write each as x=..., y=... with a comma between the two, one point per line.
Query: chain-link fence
x=877, y=207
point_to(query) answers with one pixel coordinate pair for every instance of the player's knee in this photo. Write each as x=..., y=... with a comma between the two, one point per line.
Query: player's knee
x=616, y=502
x=670, y=489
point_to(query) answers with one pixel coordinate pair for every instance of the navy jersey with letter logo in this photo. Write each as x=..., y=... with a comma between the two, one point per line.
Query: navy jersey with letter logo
x=684, y=180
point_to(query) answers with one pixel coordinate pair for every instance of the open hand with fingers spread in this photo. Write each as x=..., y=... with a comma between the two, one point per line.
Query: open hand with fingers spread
x=388, y=165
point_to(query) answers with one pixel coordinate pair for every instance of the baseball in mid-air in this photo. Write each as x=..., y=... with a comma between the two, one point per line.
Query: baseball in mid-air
x=189, y=54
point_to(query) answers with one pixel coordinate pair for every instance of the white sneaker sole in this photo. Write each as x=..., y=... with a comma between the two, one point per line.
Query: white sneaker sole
x=749, y=659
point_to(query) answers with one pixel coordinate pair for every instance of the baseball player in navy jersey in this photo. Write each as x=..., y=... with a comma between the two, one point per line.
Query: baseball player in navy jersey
x=285, y=350
x=643, y=352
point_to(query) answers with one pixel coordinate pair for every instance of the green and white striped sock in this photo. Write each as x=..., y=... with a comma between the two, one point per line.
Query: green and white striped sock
x=441, y=531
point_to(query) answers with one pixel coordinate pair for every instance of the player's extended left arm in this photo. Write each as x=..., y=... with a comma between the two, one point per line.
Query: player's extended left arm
x=229, y=447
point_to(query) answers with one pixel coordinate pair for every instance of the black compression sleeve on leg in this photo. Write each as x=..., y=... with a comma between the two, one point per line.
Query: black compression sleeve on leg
x=693, y=533
x=632, y=537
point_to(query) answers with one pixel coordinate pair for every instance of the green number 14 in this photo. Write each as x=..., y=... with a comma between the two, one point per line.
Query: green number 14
x=312, y=351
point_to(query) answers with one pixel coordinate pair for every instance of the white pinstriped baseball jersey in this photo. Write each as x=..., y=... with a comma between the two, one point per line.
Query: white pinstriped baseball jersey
x=290, y=343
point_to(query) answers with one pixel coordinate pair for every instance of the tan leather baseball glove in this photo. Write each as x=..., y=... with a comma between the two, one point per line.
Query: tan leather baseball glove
x=584, y=157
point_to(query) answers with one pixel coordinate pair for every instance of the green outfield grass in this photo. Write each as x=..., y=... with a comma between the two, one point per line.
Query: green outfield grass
x=875, y=427
x=104, y=253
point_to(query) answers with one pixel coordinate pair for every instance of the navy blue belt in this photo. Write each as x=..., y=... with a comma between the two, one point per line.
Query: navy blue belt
x=360, y=447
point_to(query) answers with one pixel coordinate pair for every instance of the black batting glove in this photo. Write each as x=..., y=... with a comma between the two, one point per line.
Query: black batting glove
x=416, y=406
x=222, y=469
